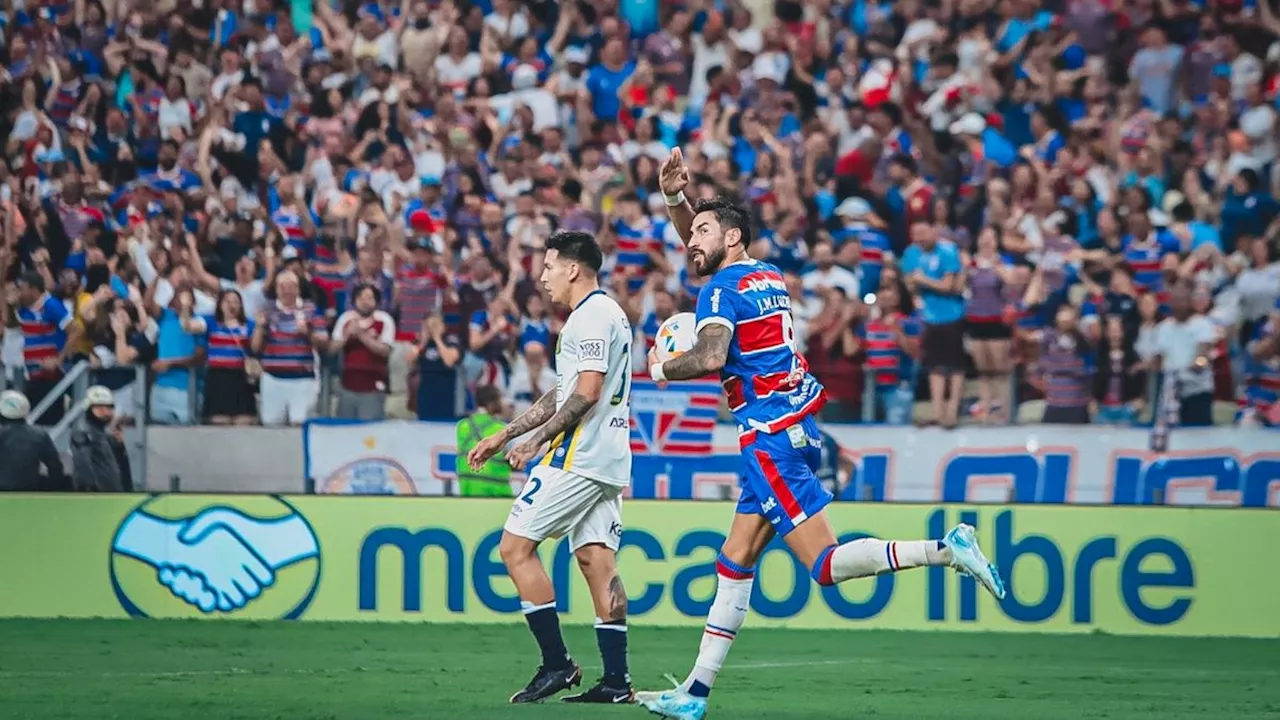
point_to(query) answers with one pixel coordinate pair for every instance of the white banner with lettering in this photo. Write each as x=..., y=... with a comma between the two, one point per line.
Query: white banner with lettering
x=1024, y=464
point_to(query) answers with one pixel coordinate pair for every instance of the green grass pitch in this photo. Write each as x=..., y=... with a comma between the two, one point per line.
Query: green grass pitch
x=136, y=670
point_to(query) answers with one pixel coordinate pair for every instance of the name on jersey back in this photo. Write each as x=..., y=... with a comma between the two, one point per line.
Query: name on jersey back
x=773, y=302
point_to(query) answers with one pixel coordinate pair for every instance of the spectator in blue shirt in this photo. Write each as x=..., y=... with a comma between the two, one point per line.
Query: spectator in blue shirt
x=256, y=124
x=178, y=353
x=1247, y=209
x=933, y=273
x=604, y=80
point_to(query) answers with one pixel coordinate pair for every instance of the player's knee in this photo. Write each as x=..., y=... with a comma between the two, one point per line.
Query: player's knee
x=737, y=555
x=821, y=570
x=514, y=549
x=592, y=557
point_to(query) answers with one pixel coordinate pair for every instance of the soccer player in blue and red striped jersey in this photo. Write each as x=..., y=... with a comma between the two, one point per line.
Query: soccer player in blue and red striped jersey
x=47, y=333
x=746, y=333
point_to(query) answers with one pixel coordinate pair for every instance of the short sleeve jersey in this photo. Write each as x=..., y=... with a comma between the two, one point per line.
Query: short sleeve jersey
x=596, y=338
x=766, y=380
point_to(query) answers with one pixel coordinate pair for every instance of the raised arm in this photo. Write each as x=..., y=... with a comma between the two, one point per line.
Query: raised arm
x=673, y=178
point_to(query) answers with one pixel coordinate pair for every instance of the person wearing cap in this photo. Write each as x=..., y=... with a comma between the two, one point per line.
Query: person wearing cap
x=25, y=449
x=860, y=224
x=98, y=453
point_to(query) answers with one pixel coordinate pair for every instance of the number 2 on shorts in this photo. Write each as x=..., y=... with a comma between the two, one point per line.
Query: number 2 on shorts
x=535, y=484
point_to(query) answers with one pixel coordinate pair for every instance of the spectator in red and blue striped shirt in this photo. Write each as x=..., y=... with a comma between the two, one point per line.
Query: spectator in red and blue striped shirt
x=295, y=221
x=285, y=338
x=420, y=289
x=664, y=306
x=229, y=396
x=1064, y=370
x=1145, y=249
x=47, y=333
x=891, y=339
x=66, y=96
x=1262, y=373
x=862, y=225
x=636, y=238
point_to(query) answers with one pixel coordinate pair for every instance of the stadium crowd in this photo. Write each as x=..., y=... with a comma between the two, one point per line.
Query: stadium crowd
x=975, y=204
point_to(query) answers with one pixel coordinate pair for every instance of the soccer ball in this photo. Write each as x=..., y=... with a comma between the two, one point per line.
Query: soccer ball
x=675, y=337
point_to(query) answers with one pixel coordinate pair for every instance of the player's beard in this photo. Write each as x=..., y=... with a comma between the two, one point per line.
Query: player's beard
x=711, y=261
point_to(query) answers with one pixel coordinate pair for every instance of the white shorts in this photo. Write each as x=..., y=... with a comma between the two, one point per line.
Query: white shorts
x=554, y=503
x=287, y=401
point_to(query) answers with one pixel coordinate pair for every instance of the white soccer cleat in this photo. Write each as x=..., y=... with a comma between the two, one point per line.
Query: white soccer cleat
x=967, y=559
x=676, y=703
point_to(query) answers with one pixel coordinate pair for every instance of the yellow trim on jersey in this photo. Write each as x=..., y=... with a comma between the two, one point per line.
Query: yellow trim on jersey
x=573, y=446
x=551, y=450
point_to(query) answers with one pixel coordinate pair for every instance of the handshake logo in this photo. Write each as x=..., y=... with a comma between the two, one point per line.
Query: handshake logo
x=218, y=560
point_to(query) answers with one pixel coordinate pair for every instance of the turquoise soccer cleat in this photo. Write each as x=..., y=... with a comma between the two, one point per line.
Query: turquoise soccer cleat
x=967, y=559
x=675, y=703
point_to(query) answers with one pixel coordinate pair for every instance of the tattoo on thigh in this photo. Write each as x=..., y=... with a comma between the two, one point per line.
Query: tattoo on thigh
x=617, y=599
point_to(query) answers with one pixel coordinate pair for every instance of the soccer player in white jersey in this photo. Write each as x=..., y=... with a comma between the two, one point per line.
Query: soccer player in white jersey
x=746, y=333
x=576, y=489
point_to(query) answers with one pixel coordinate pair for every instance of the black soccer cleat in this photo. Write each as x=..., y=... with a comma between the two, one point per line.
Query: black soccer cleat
x=604, y=695
x=546, y=683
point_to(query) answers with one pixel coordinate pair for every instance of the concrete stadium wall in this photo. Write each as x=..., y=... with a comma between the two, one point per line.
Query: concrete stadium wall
x=209, y=459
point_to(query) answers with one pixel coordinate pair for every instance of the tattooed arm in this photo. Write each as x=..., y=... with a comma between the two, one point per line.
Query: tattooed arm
x=539, y=413
x=708, y=355
x=584, y=397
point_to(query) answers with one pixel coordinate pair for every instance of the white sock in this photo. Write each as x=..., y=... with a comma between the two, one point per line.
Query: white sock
x=869, y=556
x=728, y=613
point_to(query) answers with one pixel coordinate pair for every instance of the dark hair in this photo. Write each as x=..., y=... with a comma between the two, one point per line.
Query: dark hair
x=33, y=280
x=95, y=276
x=728, y=213
x=487, y=395
x=572, y=189
x=577, y=246
x=1184, y=212
x=1251, y=179
x=891, y=110
x=906, y=162
x=218, y=315
x=362, y=287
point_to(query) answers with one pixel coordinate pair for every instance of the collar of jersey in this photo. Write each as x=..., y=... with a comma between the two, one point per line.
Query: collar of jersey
x=581, y=302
